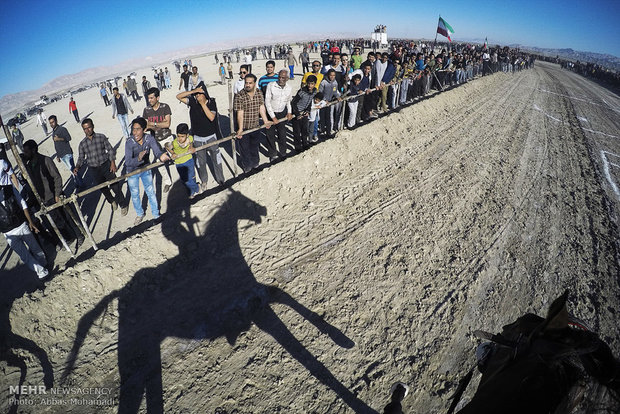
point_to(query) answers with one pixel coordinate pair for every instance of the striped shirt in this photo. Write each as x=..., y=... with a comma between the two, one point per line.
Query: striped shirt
x=96, y=151
x=266, y=80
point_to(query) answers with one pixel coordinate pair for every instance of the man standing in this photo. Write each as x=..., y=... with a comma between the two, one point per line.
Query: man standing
x=18, y=137
x=17, y=226
x=146, y=85
x=202, y=115
x=301, y=107
x=167, y=79
x=41, y=121
x=132, y=88
x=194, y=78
x=120, y=106
x=48, y=183
x=185, y=78
x=329, y=116
x=74, y=110
x=249, y=105
x=137, y=150
x=385, y=71
x=95, y=151
x=269, y=77
x=229, y=68
x=159, y=116
x=104, y=95
x=240, y=83
x=248, y=61
x=316, y=72
x=64, y=152
x=304, y=59
x=278, y=105
x=222, y=72
x=291, y=61
x=368, y=103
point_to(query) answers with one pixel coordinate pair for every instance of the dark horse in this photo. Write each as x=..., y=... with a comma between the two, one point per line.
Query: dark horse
x=206, y=292
x=541, y=365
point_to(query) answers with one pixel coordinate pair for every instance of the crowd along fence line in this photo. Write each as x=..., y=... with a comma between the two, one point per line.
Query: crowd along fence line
x=73, y=199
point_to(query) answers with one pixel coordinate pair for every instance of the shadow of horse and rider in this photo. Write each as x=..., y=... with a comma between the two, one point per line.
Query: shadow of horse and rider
x=206, y=292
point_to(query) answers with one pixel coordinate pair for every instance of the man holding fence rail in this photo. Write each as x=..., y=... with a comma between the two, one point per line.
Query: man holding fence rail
x=301, y=105
x=137, y=151
x=95, y=151
x=249, y=104
x=48, y=184
x=278, y=105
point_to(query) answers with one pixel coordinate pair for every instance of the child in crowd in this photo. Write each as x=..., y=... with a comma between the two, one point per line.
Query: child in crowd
x=313, y=117
x=181, y=150
x=354, y=89
x=222, y=71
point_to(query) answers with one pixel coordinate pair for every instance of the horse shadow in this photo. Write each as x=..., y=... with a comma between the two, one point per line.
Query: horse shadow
x=206, y=292
x=11, y=342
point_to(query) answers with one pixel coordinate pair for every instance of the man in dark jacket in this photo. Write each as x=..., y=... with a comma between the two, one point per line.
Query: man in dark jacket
x=48, y=183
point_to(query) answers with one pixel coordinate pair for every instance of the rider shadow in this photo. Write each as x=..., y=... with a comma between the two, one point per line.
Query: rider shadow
x=10, y=342
x=206, y=292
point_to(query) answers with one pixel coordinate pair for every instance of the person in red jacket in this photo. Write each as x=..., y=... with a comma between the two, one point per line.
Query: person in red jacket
x=73, y=108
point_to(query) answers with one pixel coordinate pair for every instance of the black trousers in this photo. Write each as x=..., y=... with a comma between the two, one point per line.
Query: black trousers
x=248, y=150
x=102, y=174
x=280, y=130
x=66, y=226
x=135, y=96
x=300, y=133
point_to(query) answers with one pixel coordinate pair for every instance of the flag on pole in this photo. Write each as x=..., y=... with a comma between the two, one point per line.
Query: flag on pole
x=485, y=43
x=444, y=29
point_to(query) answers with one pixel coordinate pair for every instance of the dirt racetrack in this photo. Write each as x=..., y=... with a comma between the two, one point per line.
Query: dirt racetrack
x=315, y=284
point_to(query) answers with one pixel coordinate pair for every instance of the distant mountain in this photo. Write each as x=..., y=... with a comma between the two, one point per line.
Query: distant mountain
x=10, y=104
x=605, y=60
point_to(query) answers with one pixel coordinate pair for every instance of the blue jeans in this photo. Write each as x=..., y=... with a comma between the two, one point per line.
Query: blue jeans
x=134, y=188
x=122, y=119
x=291, y=67
x=188, y=175
x=68, y=161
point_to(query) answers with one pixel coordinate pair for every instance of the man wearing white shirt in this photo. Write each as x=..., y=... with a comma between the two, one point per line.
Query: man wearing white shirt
x=247, y=59
x=240, y=83
x=278, y=105
x=17, y=226
x=194, y=79
x=7, y=176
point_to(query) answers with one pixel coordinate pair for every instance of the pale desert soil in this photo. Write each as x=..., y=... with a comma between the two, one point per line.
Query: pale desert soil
x=315, y=284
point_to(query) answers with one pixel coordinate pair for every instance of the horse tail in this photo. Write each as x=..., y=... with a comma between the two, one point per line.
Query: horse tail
x=82, y=331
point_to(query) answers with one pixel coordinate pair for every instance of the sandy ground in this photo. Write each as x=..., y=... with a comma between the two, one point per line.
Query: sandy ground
x=315, y=284
x=102, y=221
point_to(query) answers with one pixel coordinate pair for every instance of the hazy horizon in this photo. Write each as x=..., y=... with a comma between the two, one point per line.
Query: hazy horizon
x=107, y=34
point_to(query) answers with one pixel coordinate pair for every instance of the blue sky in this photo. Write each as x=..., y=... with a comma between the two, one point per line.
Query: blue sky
x=42, y=40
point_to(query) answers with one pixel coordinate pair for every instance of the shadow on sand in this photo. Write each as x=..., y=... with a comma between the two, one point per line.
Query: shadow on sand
x=206, y=292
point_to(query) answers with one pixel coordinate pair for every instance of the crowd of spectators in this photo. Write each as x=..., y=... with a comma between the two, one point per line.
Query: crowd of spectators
x=347, y=85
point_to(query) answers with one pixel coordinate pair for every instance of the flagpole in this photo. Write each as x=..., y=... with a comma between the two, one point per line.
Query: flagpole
x=435, y=42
